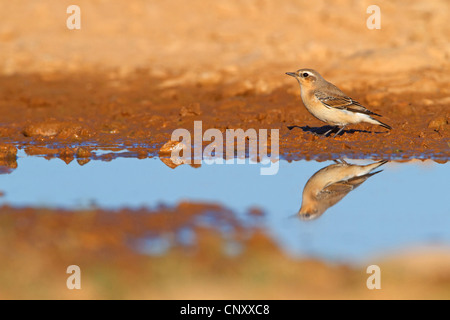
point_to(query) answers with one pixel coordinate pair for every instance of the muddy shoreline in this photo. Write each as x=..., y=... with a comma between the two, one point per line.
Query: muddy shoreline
x=65, y=115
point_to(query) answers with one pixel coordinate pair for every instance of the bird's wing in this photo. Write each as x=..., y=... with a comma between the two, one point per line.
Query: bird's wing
x=334, y=193
x=343, y=103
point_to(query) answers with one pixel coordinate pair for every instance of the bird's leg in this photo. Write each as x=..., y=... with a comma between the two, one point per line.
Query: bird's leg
x=332, y=129
x=343, y=127
x=341, y=161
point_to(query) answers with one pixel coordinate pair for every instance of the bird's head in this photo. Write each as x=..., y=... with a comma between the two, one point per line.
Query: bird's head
x=305, y=77
x=309, y=212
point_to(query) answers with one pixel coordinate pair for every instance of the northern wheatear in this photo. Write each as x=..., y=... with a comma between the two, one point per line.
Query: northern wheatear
x=329, y=104
x=330, y=184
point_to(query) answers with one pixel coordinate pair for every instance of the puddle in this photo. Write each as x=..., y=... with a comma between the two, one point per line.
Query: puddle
x=395, y=206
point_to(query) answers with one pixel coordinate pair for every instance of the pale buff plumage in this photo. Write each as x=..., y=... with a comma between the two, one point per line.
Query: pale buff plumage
x=329, y=104
x=331, y=184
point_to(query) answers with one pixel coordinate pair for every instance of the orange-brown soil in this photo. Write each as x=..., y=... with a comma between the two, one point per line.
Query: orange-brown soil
x=37, y=246
x=136, y=71
x=54, y=115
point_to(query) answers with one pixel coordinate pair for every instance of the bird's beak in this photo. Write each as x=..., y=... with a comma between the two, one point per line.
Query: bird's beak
x=292, y=74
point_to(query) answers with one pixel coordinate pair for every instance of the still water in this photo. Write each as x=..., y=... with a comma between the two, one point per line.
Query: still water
x=362, y=214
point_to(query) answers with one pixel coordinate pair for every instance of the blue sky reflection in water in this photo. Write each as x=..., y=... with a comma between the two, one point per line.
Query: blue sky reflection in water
x=405, y=205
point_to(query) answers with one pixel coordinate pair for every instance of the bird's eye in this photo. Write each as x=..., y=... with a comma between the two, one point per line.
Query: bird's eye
x=305, y=75
x=307, y=215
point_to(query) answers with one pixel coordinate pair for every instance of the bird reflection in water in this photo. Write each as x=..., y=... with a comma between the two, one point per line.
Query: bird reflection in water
x=331, y=184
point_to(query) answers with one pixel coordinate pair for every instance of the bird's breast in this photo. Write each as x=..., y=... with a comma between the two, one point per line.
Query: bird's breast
x=315, y=107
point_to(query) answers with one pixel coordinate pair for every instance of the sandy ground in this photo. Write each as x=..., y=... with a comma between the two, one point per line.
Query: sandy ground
x=137, y=70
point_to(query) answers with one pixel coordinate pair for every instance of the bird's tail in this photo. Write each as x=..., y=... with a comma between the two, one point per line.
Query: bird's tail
x=378, y=122
x=375, y=165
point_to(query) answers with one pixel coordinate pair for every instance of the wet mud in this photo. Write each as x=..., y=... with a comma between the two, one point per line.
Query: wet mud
x=67, y=116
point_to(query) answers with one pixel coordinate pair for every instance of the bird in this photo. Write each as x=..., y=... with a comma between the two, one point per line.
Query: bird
x=331, y=184
x=329, y=104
